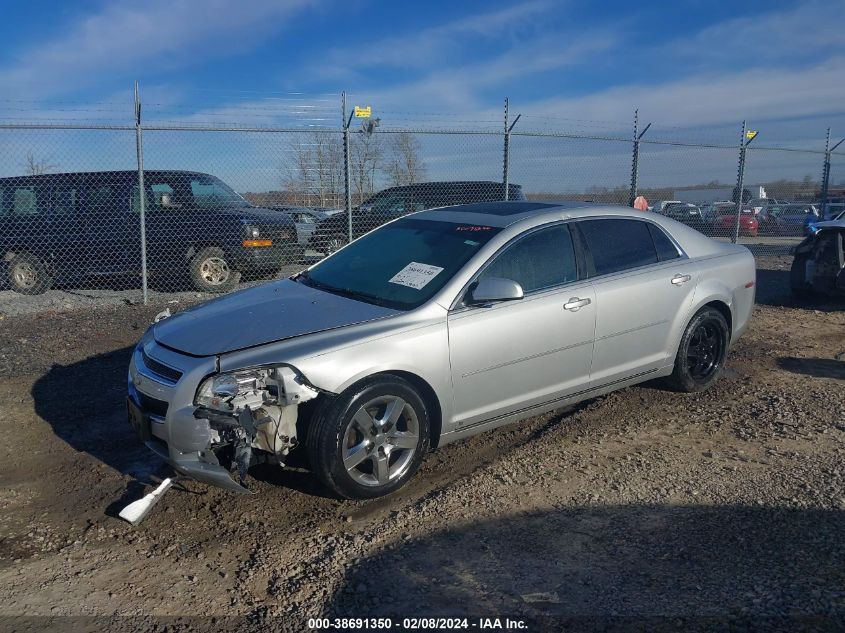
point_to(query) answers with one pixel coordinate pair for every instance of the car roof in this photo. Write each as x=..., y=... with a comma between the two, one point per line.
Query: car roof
x=502, y=214
x=100, y=174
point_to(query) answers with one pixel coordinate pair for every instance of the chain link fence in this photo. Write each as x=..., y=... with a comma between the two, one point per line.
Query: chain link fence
x=195, y=206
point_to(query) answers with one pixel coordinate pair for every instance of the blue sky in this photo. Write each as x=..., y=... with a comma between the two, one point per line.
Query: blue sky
x=702, y=66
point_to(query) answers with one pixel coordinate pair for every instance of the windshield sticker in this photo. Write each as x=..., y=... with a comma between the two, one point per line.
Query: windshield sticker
x=470, y=243
x=473, y=228
x=415, y=275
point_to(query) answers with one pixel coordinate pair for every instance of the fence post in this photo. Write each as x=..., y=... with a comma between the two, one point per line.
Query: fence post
x=828, y=150
x=139, y=148
x=635, y=160
x=740, y=177
x=825, y=174
x=507, y=150
x=347, y=194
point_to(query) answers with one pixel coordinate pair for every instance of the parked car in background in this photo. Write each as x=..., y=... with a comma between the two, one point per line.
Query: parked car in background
x=685, y=213
x=60, y=228
x=789, y=219
x=433, y=328
x=660, y=205
x=389, y=204
x=818, y=266
x=725, y=223
x=305, y=219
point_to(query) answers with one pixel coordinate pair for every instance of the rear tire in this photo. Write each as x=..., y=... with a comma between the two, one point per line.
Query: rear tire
x=28, y=275
x=371, y=439
x=701, y=353
x=212, y=272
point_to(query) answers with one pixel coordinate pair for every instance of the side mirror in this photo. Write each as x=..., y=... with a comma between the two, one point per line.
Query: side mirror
x=491, y=289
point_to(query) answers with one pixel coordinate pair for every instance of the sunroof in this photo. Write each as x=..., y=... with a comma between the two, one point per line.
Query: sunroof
x=504, y=208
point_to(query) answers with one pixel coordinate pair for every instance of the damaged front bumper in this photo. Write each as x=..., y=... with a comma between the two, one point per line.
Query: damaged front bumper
x=162, y=390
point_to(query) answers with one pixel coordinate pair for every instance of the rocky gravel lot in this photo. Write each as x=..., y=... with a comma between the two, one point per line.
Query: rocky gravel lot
x=641, y=509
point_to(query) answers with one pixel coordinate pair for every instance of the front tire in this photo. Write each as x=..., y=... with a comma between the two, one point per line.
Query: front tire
x=371, y=439
x=702, y=352
x=212, y=272
x=28, y=275
x=334, y=243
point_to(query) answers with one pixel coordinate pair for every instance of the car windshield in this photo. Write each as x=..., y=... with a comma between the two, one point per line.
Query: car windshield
x=400, y=265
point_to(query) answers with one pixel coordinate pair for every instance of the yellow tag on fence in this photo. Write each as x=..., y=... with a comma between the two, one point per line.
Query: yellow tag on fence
x=363, y=113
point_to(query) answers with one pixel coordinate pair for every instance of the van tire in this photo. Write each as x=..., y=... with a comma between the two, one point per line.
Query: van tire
x=211, y=271
x=28, y=275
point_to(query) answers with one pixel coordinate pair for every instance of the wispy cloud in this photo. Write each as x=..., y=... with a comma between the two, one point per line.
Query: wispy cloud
x=125, y=36
x=428, y=47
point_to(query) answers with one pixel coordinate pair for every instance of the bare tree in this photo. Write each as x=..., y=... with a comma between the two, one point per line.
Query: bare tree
x=405, y=166
x=328, y=166
x=34, y=166
x=296, y=170
x=366, y=154
x=313, y=170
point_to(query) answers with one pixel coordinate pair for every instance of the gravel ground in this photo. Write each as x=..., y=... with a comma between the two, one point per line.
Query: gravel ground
x=641, y=509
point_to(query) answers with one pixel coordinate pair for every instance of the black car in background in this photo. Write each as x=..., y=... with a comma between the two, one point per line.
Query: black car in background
x=64, y=227
x=389, y=204
x=685, y=213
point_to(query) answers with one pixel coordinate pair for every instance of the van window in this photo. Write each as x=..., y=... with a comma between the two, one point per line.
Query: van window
x=617, y=245
x=102, y=198
x=64, y=200
x=25, y=201
x=540, y=260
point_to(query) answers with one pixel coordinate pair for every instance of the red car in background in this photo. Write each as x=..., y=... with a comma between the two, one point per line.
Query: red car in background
x=726, y=220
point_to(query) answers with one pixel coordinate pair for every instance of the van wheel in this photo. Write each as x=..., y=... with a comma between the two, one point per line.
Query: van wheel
x=369, y=440
x=702, y=352
x=212, y=272
x=334, y=243
x=28, y=275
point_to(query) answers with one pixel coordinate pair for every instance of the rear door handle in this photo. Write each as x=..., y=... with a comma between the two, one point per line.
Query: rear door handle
x=680, y=279
x=575, y=304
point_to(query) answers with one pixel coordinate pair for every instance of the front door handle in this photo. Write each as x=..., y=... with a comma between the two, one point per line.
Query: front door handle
x=680, y=279
x=575, y=304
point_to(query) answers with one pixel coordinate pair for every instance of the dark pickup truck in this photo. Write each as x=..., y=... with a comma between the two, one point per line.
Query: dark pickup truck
x=389, y=204
x=59, y=228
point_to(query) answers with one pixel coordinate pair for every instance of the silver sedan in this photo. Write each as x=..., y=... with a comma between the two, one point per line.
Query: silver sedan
x=435, y=327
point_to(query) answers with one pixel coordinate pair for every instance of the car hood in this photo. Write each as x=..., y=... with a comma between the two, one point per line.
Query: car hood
x=264, y=314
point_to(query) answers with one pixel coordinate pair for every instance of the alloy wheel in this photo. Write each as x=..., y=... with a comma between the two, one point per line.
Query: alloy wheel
x=380, y=441
x=214, y=271
x=704, y=351
x=25, y=275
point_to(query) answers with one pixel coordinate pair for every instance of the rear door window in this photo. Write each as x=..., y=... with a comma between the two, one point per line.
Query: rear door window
x=540, y=260
x=618, y=244
x=665, y=248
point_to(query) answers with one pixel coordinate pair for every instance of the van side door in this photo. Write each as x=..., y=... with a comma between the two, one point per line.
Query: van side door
x=112, y=232
x=71, y=256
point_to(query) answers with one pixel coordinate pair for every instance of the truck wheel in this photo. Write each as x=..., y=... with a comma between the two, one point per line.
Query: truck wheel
x=211, y=271
x=371, y=439
x=334, y=243
x=28, y=275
